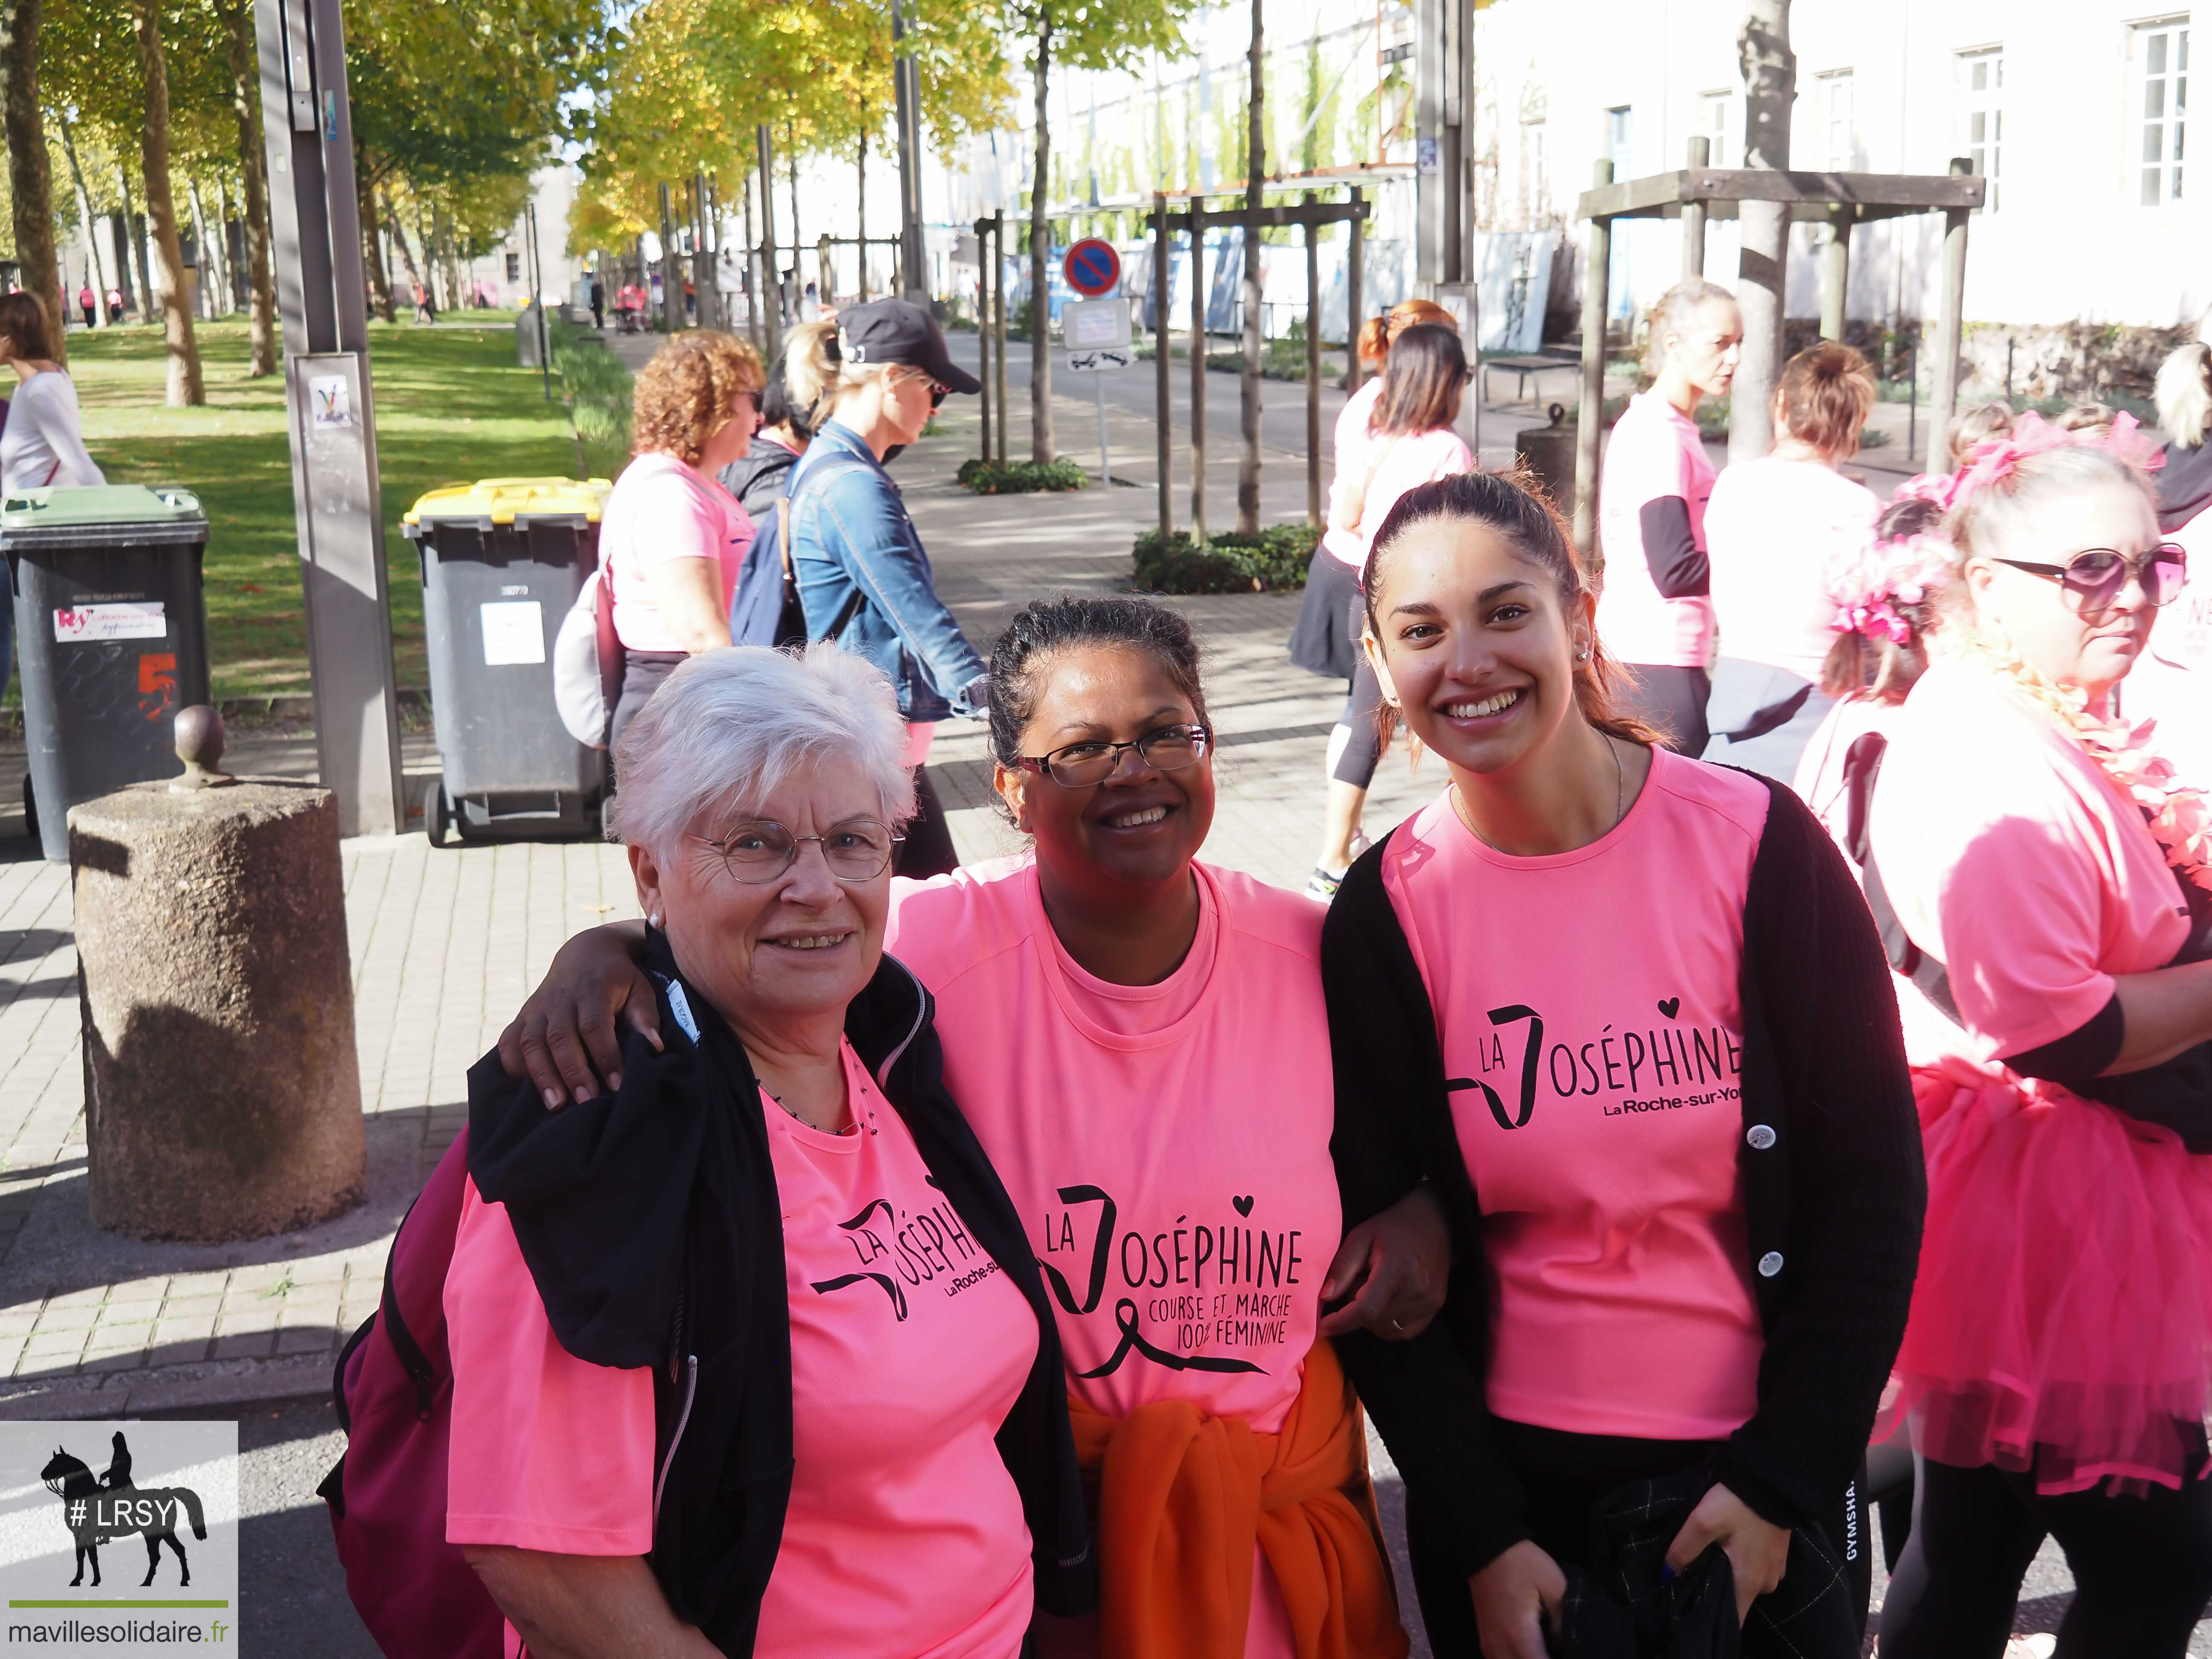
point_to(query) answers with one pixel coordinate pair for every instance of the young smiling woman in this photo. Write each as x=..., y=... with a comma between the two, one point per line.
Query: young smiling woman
x=1139, y=1040
x=1626, y=1014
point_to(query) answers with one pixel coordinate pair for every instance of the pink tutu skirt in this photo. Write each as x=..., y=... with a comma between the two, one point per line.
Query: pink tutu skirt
x=2062, y=1321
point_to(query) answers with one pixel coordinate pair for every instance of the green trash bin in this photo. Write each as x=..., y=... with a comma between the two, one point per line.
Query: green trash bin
x=111, y=637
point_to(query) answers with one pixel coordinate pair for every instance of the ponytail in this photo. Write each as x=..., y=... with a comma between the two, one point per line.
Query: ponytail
x=811, y=365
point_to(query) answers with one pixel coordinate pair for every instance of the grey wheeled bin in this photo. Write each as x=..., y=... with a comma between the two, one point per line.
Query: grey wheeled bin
x=503, y=560
x=111, y=633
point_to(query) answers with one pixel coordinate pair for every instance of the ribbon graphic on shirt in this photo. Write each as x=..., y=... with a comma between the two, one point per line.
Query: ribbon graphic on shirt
x=889, y=1287
x=1506, y=1017
x=1125, y=1316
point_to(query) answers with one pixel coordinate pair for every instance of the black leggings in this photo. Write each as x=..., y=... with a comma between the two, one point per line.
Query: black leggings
x=1362, y=701
x=2142, y=1566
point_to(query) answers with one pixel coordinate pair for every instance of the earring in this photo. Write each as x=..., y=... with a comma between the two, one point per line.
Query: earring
x=654, y=920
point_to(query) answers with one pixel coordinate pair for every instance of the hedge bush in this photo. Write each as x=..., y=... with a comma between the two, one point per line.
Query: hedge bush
x=1018, y=477
x=1272, y=561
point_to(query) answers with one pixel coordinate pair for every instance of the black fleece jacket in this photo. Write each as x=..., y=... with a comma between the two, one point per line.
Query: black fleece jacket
x=1830, y=1162
x=650, y=1223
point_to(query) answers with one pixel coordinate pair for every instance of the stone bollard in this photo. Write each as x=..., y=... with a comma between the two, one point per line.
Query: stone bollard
x=222, y=1091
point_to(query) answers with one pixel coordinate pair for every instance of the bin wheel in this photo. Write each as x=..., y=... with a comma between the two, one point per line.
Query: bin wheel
x=437, y=812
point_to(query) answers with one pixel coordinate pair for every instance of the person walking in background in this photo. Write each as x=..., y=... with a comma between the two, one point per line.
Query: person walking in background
x=1326, y=640
x=868, y=381
x=2054, y=881
x=1779, y=531
x=88, y=303
x=598, y=303
x=1653, y=609
x=671, y=539
x=683, y=1424
x=1624, y=1013
x=2184, y=394
x=115, y=305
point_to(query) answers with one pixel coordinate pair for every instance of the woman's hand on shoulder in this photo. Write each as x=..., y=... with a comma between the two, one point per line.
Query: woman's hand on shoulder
x=1757, y=1549
x=565, y=1039
x=1400, y=1263
x=1515, y=1597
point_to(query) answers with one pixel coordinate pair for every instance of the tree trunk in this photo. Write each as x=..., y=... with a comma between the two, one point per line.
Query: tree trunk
x=1248, y=464
x=1043, y=448
x=1770, y=87
x=29, y=185
x=429, y=262
x=96, y=274
x=406, y=254
x=798, y=242
x=253, y=166
x=202, y=251
x=442, y=229
x=134, y=237
x=185, y=390
x=860, y=178
x=372, y=242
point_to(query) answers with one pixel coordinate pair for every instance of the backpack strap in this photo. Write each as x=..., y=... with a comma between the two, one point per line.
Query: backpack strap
x=1861, y=766
x=856, y=598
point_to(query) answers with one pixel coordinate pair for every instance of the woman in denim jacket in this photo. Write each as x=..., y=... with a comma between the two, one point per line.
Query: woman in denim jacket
x=871, y=377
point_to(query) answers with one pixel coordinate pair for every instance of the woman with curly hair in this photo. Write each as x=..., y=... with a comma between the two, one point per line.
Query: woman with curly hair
x=672, y=540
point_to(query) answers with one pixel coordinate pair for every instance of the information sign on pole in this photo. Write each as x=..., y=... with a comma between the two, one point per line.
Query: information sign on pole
x=1097, y=335
x=1093, y=267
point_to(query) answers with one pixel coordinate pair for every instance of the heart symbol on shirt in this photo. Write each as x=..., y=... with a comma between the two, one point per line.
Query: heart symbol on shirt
x=1244, y=1205
x=1671, y=1007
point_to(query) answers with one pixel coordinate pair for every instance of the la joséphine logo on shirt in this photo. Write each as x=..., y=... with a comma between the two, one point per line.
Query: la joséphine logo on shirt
x=1642, y=1066
x=897, y=1251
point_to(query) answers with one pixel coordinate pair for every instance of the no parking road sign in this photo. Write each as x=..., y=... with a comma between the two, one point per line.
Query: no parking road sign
x=1093, y=269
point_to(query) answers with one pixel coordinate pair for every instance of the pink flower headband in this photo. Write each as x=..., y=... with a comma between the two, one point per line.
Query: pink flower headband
x=1995, y=458
x=1894, y=576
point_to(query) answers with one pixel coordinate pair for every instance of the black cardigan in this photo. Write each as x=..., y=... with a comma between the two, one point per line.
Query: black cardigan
x=650, y=1223
x=1833, y=1193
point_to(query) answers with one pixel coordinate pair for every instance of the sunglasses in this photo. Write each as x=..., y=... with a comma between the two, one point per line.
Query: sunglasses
x=938, y=392
x=2094, y=578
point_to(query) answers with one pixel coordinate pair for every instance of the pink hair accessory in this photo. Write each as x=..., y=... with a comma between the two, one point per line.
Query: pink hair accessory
x=1871, y=598
x=1993, y=459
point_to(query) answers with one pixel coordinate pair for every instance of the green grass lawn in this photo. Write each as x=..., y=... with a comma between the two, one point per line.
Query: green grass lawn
x=451, y=407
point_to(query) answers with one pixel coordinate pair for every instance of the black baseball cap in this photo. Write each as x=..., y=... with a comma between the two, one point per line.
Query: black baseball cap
x=900, y=331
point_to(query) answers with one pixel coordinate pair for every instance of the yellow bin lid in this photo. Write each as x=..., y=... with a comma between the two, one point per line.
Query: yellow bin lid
x=490, y=501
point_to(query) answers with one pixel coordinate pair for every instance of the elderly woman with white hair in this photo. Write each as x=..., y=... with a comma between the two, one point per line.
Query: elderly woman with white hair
x=751, y=1356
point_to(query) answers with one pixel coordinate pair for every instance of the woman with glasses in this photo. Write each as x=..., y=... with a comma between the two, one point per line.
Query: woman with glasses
x=866, y=381
x=1654, y=609
x=1139, y=1040
x=671, y=539
x=752, y=1355
x=2051, y=881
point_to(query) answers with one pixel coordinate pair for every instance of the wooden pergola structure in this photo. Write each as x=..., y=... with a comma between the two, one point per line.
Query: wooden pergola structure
x=1699, y=193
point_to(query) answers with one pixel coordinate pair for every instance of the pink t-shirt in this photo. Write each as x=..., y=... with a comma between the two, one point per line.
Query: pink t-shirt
x=663, y=509
x=1408, y=460
x=2012, y=860
x=909, y=1346
x=1589, y=1008
x=1655, y=452
x=1779, y=534
x=1355, y=448
x=1168, y=1144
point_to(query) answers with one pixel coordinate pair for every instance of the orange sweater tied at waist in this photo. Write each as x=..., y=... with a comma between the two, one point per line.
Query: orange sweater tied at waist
x=1184, y=1498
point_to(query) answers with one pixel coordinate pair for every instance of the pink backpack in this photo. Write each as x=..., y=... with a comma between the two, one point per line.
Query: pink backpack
x=394, y=1393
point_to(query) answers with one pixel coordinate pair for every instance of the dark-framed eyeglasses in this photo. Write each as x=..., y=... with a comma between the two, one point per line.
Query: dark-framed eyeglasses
x=2094, y=578
x=938, y=392
x=1078, y=765
x=752, y=400
x=858, y=849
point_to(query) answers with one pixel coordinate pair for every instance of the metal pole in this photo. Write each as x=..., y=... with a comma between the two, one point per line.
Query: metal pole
x=1197, y=370
x=906, y=87
x=1943, y=390
x=1589, y=430
x=1693, y=215
x=771, y=291
x=998, y=323
x=537, y=292
x=1836, y=272
x=307, y=127
x=1163, y=357
x=1105, y=466
x=1355, y=302
x=983, y=321
x=1248, y=460
x=1313, y=368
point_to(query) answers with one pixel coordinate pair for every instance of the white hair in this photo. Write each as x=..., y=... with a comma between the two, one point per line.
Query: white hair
x=728, y=727
x=2184, y=393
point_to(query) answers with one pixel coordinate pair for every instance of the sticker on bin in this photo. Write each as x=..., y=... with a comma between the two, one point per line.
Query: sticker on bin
x=514, y=632
x=85, y=623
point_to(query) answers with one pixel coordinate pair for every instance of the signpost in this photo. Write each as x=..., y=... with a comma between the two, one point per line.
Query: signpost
x=1096, y=329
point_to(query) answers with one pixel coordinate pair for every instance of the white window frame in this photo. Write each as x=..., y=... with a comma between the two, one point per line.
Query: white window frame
x=1536, y=171
x=1717, y=122
x=1826, y=87
x=2159, y=104
x=1984, y=103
